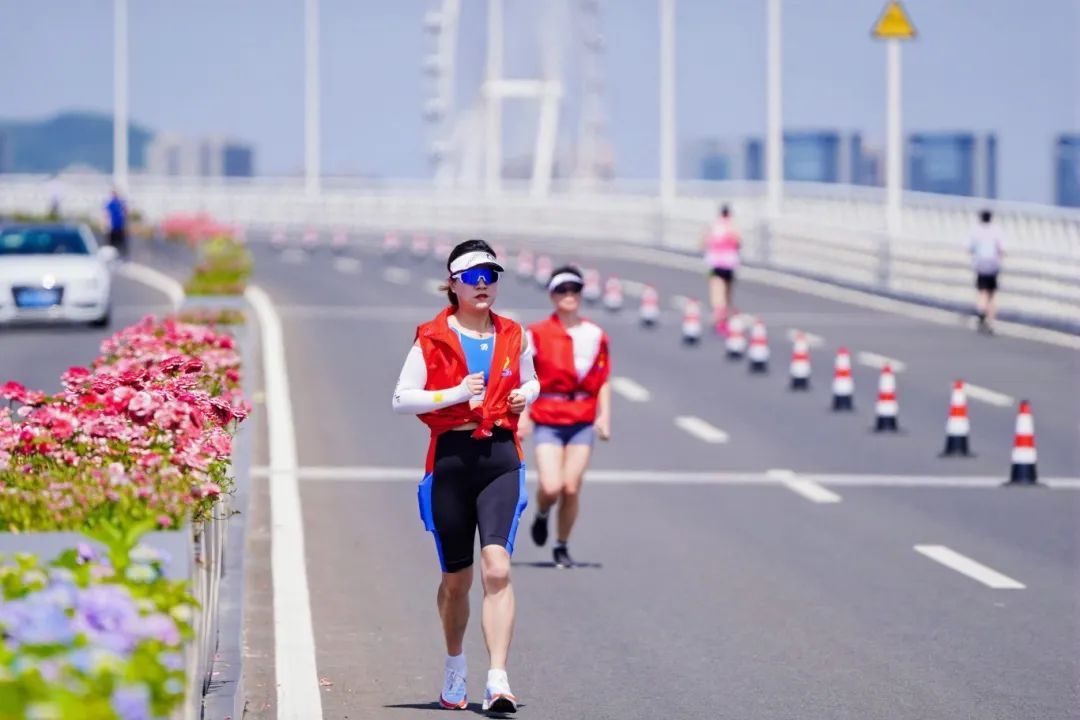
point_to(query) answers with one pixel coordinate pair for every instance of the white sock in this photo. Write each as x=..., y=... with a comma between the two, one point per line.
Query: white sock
x=497, y=678
x=543, y=513
x=456, y=663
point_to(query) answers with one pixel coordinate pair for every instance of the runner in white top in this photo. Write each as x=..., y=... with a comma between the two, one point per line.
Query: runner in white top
x=987, y=250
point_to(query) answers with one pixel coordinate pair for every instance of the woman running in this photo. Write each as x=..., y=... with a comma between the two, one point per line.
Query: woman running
x=721, y=244
x=469, y=376
x=571, y=359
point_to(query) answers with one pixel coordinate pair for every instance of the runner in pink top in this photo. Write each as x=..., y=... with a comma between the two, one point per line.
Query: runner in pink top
x=720, y=244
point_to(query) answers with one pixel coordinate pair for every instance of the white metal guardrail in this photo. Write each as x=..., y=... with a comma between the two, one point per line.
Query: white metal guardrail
x=829, y=231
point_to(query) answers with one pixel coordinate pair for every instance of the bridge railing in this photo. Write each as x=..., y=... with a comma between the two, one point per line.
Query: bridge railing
x=827, y=231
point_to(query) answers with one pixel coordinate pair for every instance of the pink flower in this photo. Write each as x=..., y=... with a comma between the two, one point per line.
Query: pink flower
x=141, y=405
x=194, y=365
x=12, y=390
x=164, y=521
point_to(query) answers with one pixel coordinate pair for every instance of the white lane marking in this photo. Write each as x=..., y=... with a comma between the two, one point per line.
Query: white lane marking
x=347, y=265
x=966, y=566
x=811, y=339
x=976, y=392
x=879, y=361
x=371, y=473
x=701, y=429
x=630, y=389
x=811, y=490
x=396, y=275
x=294, y=642
x=155, y=279
x=821, y=289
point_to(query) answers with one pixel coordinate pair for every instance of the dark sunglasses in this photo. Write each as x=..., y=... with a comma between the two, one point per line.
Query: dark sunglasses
x=567, y=287
x=473, y=276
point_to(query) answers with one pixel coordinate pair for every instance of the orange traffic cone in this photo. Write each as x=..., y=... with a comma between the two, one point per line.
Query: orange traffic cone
x=442, y=249
x=420, y=246
x=957, y=427
x=279, y=239
x=613, y=294
x=735, y=344
x=544, y=267
x=391, y=244
x=310, y=240
x=650, y=306
x=800, y=363
x=1023, y=454
x=525, y=264
x=759, y=349
x=592, y=291
x=691, y=323
x=339, y=240
x=887, y=408
x=843, y=386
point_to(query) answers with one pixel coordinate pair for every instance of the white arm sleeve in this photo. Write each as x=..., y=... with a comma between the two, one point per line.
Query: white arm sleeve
x=530, y=384
x=410, y=397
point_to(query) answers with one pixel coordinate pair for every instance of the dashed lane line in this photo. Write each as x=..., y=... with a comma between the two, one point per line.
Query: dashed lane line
x=701, y=429
x=629, y=389
x=966, y=566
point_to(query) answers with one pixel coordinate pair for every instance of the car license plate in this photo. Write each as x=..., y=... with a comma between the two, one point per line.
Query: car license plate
x=37, y=298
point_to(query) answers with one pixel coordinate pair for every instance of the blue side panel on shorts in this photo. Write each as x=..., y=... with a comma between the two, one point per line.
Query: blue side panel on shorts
x=523, y=502
x=423, y=497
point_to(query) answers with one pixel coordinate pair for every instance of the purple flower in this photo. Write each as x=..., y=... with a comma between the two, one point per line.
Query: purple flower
x=132, y=702
x=160, y=627
x=27, y=622
x=108, y=616
x=172, y=660
x=86, y=552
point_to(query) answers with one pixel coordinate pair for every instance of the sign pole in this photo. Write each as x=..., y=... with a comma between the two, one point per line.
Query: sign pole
x=894, y=184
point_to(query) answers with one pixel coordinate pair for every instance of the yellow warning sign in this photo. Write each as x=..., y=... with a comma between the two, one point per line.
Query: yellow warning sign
x=894, y=23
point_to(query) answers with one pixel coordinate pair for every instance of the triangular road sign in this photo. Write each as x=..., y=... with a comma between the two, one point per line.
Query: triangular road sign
x=894, y=23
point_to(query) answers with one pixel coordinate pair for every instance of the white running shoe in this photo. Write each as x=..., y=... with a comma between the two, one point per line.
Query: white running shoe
x=498, y=698
x=454, y=694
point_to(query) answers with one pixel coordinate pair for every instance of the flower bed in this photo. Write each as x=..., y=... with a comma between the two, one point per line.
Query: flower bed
x=223, y=268
x=90, y=638
x=141, y=440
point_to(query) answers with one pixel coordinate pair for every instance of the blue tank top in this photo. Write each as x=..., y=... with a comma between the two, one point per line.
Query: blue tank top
x=477, y=353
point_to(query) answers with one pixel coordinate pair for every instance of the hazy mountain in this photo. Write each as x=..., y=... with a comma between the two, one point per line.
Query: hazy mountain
x=52, y=144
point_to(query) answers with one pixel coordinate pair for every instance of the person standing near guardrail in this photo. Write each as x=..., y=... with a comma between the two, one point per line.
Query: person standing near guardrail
x=574, y=406
x=117, y=214
x=469, y=376
x=986, y=248
x=720, y=244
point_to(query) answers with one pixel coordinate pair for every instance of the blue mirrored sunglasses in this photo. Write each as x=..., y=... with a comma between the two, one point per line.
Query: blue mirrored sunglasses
x=473, y=276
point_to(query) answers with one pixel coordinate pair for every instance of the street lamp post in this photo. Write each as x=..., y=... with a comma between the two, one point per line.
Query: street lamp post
x=120, y=96
x=774, y=141
x=312, y=172
x=667, y=101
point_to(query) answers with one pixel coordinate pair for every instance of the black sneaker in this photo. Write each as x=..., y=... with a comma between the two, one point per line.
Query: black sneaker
x=562, y=557
x=540, y=531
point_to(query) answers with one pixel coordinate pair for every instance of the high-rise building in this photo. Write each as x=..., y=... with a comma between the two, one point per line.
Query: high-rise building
x=177, y=155
x=864, y=163
x=953, y=163
x=823, y=156
x=711, y=159
x=1067, y=170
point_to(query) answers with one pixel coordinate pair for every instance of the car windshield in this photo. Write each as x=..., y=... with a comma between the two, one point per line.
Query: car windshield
x=42, y=241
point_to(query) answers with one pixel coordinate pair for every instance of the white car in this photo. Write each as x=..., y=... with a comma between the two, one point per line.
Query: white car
x=54, y=273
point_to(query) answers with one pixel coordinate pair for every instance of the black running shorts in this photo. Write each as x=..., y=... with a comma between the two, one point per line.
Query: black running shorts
x=987, y=282
x=474, y=484
x=726, y=274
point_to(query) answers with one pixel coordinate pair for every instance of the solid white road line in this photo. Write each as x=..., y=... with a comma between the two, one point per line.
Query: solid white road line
x=811, y=339
x=966, y=566
x=879, y=361
x=975, y=392
x=155, y=279
x=701, y=429
x=396, y=275
x=630, y=389
x=369, y=473
x=294, y=642
x=347, y=265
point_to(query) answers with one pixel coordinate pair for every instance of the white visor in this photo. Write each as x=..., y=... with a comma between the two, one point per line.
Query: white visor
x=478, y=258
x=564, y=277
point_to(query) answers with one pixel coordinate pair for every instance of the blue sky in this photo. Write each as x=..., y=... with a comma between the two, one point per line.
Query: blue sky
x=235, y=67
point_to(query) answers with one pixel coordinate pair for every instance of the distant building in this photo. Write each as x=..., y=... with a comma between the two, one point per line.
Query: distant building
x=822, y=156
x=3, y=153
x=176, y=155
x=1067, y=170
x=959, y=163
x=710, y=160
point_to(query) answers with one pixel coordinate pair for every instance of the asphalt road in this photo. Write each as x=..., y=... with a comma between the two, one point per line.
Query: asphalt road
x=714, y=586
x=711, y=588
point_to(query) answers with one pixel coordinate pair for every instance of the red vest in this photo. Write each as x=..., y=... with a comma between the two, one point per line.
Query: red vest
x=565, y=400
x=447, y=367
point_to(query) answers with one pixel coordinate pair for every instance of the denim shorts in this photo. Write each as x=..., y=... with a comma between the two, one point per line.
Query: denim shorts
x=576, y=434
